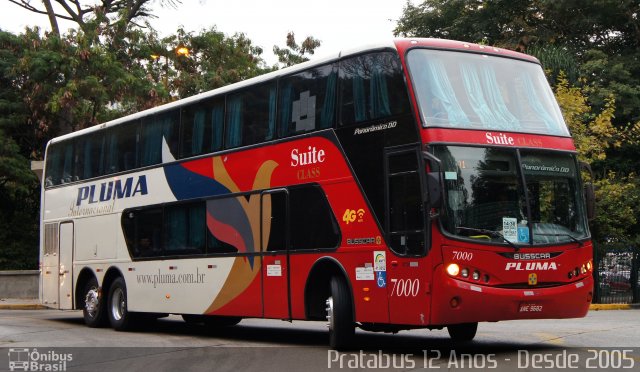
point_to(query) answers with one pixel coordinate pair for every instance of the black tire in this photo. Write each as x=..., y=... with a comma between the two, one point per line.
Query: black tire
x=94, y=309
x=462, y=332
x=340, y=315
x=119, y=316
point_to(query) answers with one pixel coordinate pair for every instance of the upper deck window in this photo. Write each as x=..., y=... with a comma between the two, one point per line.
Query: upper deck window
x=478, y=91
x=372, y=87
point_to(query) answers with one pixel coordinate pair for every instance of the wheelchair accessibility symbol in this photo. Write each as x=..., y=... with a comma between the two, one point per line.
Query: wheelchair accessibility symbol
x=381, y=278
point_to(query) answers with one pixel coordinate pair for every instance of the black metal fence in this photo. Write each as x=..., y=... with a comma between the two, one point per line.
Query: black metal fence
x=616, y=275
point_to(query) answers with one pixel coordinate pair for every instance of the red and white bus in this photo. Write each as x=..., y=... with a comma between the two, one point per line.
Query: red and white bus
x=413, y=184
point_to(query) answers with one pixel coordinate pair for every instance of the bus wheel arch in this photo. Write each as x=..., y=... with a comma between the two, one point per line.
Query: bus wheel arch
x=318, y=286
x=329, y=296
x=90, y=299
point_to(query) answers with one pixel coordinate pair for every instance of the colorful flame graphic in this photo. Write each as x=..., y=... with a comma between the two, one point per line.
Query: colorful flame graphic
x=235, y=221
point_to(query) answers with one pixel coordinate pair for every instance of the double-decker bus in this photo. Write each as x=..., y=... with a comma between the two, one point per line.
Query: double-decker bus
x=418, y=183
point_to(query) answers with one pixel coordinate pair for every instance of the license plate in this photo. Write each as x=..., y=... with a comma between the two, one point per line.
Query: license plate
x=530, y=308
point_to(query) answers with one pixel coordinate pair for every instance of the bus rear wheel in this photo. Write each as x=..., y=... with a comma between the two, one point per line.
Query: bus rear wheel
x=462, y=332
x=94, y=309
x=119, y=316
x=340, y=315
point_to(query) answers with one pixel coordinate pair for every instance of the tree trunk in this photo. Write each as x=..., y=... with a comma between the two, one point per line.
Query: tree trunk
x=52, y=17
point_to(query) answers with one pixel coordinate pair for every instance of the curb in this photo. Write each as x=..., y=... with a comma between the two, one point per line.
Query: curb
x=22, y=307
x=598, y=307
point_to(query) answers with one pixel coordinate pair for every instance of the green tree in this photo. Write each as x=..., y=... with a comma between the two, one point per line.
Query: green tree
x=295, y=53
x=19, y=191
x=106, y=12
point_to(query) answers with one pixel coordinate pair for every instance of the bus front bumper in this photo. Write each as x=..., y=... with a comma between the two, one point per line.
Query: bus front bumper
x=463, y=302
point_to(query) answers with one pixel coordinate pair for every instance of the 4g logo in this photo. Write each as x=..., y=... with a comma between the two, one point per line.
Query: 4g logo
x=351, y=215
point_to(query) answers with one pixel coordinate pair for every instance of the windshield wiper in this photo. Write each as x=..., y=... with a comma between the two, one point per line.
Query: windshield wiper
x=565, y=234
x=491, y=233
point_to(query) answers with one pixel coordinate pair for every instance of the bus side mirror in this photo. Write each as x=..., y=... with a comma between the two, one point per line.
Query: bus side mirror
x=590, y=198
x=435, y=183
x=589, y=192
x=434, y=189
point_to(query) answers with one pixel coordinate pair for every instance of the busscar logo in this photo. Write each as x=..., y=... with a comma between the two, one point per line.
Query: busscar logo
x=23, y=359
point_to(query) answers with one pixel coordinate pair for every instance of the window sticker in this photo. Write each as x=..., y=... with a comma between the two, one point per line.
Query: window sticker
x=523, y=233
x=510, y=229
x=379, y=261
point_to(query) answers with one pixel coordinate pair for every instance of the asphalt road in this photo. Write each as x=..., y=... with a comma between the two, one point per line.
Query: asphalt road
x=58, y=340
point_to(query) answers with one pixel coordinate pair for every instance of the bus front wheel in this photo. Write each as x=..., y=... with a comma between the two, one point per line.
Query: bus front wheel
x=94, y=310
x=462, y=332
x=340, y=315
x=119, y=317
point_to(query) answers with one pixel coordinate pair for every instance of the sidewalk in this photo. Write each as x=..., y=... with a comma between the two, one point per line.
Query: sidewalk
x=34, y=304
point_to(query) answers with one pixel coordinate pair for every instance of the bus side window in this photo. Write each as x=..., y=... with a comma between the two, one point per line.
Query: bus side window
x=202, y=126
x=156, y=129
x=251, y=116
x=143, y=232
x=312, y=223
x=89, y=156
x=307, y=101
x=372, y=87
x=184, y=229
x=60, y=164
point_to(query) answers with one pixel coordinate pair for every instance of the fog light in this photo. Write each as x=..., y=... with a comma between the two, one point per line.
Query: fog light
x=583, y=269
x=453, y=269
x=476, y=275
x=576, y=272
x=455, y=301
x=486, y=278
x=464, y=272
x=570, y=274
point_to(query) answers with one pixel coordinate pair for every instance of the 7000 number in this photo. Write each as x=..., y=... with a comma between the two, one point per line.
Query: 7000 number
x=405, y=287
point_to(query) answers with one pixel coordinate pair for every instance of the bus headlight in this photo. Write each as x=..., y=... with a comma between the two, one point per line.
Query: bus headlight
x=453, y=269
x=476, y=275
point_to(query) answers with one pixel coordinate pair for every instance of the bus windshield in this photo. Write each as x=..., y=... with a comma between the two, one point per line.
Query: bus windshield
x=479, y=91
x=485, y=196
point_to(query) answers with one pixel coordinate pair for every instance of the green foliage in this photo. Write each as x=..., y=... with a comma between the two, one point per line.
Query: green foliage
x=294, y=53
x=53, y=85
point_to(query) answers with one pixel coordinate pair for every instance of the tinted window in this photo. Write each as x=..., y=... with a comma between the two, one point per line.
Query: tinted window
x=251, y=116
x=312, y=224
x=372, y=87
x=143, y=232
x=406, y=209
x=121, y=148
x=228, y=229
x=155, y=129
x=274, y=220
x=59, y=164
x=307, y=101
x=184, y=229
x=202, y=125
x=90, y=156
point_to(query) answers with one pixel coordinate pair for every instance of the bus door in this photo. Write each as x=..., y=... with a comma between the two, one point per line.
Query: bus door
x=408, y=277
x=65, y=271
x=56, y=265
x=275, y=247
